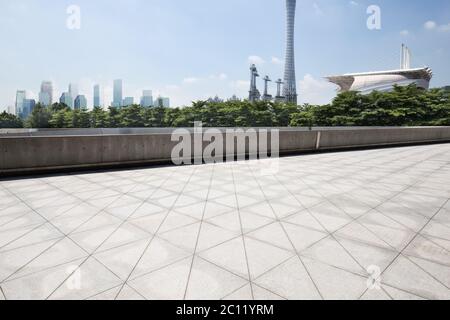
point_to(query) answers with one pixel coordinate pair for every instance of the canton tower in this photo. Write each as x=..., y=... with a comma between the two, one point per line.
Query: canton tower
x=290, y=88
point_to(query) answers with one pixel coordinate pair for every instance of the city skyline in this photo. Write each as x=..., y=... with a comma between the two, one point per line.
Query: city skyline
x=327, y=32
x=77, y=100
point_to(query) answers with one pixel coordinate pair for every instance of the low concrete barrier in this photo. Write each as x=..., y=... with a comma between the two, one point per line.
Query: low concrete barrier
x=27, y=151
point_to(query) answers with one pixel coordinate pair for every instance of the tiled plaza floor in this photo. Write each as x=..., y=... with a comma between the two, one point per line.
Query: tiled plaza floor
x=314, y=230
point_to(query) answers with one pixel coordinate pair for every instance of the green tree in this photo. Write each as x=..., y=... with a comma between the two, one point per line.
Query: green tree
x=99, y=118
x=39, y=118
x=131, y=117
x=113, y=117
x=8, y=120
x=77, y=119
x=404, y=106
x=58, y=119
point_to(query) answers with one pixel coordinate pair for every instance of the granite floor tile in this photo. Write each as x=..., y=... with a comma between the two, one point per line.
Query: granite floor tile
x=315, y=229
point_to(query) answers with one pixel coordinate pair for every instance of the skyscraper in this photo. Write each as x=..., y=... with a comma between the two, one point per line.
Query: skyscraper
x=117, y=101
x=97, y=96
x=290, y=87
x=80, y=102
x=162, y=102
x=28, y=106
x=66, y=99
x=166, y=102
x=128, y=101
x=73, y=91
x=46, y=93
x=147, y=99
x=20, y=97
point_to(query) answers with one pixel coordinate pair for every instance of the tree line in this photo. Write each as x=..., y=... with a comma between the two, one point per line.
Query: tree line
x=404, y=106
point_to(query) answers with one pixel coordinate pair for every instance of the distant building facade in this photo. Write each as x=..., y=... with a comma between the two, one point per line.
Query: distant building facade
x=162, y=102
x=28, y=107
x=80, y=102
x=216, y=99
x=166, y=102
x=117, y=94
x=21, y=95
x=127, y=101
x=66, y=99
x=73, y=90
x=97, y=102
x=147, y=99
x=234, y=98
x=384, y=81
x=46, y=93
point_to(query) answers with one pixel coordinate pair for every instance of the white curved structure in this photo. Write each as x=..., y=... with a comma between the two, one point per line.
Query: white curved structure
x=382, y=81
x=385, y=80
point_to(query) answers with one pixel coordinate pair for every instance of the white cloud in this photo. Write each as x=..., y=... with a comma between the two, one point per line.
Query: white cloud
x=240, y=87
x=277, y=61
x=315, y=91
x=256, y=60
x=354, y=3
x=404, y=33
x=241, y=84
x=221, y=76
x=430, y=25
x=190, y=80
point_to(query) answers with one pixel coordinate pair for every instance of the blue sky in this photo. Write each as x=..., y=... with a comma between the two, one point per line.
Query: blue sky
x=189, y=50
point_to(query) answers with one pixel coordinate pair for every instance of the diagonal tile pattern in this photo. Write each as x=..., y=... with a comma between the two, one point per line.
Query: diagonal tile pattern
x=317, y=229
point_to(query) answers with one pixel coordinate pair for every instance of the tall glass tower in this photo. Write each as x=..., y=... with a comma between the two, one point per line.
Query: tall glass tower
x=147, y=99
x=73, y=91
x=46, y=93
x=21, y=95
x=97, y=96
x=117, y=93
x=290, y=87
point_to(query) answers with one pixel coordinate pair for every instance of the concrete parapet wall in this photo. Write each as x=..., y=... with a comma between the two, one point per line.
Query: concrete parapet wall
x=25, y=151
